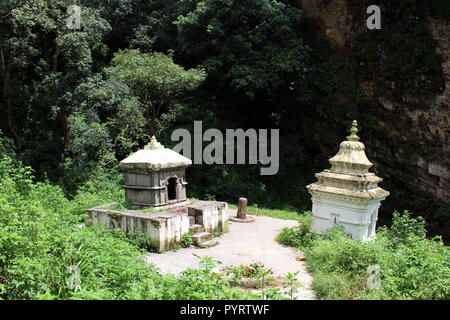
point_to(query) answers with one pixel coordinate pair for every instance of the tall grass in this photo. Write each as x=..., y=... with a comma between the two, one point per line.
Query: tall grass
x=287, y=214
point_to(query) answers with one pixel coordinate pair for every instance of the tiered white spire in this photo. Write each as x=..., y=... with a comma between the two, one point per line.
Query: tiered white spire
x=347, y=194
x=153, y=144
x=349, y=173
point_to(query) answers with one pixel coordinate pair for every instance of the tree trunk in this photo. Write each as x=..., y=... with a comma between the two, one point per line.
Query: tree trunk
x=62, y=114
x=5, y=94
x=65, y=129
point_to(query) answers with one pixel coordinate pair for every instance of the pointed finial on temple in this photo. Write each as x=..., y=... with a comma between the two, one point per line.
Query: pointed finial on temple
x=353, y=131
x=153, y=144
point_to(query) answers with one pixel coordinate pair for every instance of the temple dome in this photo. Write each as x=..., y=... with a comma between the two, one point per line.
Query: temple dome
x=153, y=157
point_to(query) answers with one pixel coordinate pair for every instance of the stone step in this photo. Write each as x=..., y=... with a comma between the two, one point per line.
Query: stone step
x=196, y=228
x=201, y=237
x=209, y=244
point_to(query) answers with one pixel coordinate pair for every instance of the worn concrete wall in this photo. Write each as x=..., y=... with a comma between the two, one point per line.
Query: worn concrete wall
x=212, y=215
x=166, y=228
x=151, y=188
x=357, y=216
x=162, y=229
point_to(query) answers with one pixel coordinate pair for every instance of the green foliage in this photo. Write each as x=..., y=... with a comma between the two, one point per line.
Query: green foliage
x=68, y=117
x=124, y=16
x=71, y=114
x=291, y=284
x=262, y=276
x=157, y=81
x=104, y=187
x=104, y=112
x=404, y=225
x=43, y=61
x=248, y=271
x=411, y=266
x=45, y=253
x=186, y=240
x=202, y=283
x=235, y=38
x=229, y=182
x=290, y=237
x=139, y=239
x=287, y=214
x=39, y=240
x=90, y=140
x=300, y=237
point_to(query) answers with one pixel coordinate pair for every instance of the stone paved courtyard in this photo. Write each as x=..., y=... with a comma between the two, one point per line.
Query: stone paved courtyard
x=245, y=243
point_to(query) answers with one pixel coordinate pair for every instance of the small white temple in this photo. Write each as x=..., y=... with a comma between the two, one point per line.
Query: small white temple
x=155, y=179
x=155, y=176
x=347, y=194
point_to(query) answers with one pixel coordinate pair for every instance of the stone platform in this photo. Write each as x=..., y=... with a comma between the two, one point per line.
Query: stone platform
x=165, y=226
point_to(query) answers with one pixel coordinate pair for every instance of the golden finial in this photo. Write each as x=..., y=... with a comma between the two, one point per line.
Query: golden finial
x=353, y=131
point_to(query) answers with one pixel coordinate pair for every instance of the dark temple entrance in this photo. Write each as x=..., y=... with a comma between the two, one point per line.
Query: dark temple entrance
x=172, y=189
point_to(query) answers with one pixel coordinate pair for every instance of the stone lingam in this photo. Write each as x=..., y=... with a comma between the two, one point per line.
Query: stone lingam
x=155, y=188
x=347, y=194
x=241, y=215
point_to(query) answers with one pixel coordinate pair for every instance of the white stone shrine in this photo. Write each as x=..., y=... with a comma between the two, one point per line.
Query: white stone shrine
x=155, y=176
x=347, y=194
x=155, y=187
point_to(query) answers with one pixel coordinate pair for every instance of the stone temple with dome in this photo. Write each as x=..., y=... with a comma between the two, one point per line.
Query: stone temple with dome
x=155, y=176
x=155, y=187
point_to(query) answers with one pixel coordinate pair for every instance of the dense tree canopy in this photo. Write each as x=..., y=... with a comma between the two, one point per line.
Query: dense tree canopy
x=253, y=45
x=157, y=82
x=42, y=61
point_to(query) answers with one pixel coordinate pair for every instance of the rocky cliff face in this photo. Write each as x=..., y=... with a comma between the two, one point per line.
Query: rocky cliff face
x=439, y=114
x=408, y=134
x=333, y=19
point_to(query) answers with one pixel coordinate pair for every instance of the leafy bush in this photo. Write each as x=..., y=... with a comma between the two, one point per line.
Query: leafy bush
x=186, y=240
x=202, y=283
x=290, y=237
x=411, y=266
x=300, y=237
x=403, y=226
x=40, y=240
